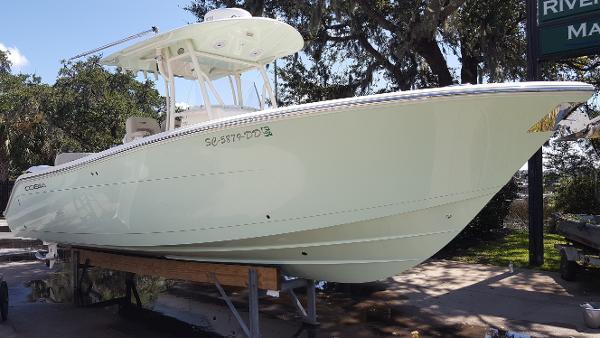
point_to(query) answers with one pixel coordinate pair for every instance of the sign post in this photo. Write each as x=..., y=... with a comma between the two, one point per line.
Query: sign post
x=535, y=179
x=556, y=29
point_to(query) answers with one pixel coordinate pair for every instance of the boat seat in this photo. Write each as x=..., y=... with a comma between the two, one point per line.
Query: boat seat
x=139, y=127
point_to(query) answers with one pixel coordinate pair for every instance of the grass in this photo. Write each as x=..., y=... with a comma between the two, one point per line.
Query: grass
x=512, y=248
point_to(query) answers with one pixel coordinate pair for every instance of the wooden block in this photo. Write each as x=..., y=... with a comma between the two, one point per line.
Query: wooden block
x=226, y=274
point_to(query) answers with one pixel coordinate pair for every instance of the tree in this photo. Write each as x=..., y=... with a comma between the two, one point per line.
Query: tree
x=24, y=129
x=572, y=173
x=490, y=220
x=5, y=63
x=92, y=104
x=360, y=47
x=84, y=111
x=31, y=137
x=570, y=159
x=578, y=195
x=4, y=73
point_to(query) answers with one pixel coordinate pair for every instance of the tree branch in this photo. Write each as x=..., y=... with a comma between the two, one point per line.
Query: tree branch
x=450, y=8
x=580, y=67
x=431, y=52
x=368, y=8
x=341, y=38
x=364, y=42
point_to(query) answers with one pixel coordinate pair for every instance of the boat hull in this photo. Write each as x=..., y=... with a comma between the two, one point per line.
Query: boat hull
x=365, y=188
x=376, y=248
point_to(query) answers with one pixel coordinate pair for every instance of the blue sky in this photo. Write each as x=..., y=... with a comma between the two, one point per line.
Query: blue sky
x=39, y=34
x=44, y=32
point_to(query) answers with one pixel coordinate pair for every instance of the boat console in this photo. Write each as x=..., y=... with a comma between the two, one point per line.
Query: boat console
x=229, y=43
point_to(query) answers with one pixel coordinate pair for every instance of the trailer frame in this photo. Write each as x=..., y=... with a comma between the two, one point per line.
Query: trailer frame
x=576, y=255
x=257, y=279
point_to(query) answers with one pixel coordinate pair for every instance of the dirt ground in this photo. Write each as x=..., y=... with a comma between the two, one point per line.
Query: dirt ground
x=438, y=299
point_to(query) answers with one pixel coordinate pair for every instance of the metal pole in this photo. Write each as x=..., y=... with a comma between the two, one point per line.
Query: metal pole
x=75, y=275
x=200, y=76
x=230, y=305
x=253, y=303
x=118, y=42
x=238, y=83
x=267, y=86
x=311, y=302
x=535, y=176
x=276, y=82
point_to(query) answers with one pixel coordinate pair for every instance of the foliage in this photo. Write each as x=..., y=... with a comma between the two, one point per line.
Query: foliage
x=31, y=137
x=26, y=135
x=572, y=173
x=490, y=220
x=513, y=248
x=92, y=104
x=489, y=38
x=5, y=63
x=570, y=159
x=359, y=47
x=518, y=213
x=578, y=195
x=84, y=111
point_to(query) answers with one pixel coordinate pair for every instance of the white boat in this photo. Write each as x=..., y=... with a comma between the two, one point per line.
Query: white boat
x=348, y=190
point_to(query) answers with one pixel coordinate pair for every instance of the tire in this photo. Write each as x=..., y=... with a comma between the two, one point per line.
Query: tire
x=568, y=269
x=4, y=301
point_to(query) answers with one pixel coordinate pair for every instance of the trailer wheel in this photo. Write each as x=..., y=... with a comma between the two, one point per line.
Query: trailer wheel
x=4, y=301
x=568, y=269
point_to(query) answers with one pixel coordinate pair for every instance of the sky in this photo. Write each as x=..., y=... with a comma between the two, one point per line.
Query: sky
x=41, y=33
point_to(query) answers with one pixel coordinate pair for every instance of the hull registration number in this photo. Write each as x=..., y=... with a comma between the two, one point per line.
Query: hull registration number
x=238, y=137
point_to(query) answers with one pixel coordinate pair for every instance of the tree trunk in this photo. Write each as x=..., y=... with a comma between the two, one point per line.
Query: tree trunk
x=256, y=7
x=468, y=71
x=3, y=157
x=430, y=51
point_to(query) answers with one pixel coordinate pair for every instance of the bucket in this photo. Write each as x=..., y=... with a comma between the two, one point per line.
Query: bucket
x=591, y=315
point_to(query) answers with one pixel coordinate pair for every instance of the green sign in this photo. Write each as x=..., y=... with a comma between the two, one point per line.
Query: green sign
x=556, y=9
x=571, y=36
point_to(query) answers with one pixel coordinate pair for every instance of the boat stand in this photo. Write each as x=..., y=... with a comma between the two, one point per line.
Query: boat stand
x=252, y=329
x=80, y=272
x=258, y=280
x=309, y=313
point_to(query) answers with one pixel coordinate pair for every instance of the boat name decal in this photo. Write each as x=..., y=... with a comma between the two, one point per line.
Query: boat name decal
x=238, y=137
x=34, y=186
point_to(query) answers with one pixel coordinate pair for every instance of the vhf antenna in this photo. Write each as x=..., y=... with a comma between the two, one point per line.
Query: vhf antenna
x=131, y=37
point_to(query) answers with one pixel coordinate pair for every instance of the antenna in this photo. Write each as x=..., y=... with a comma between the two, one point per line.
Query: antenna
x=118, y=42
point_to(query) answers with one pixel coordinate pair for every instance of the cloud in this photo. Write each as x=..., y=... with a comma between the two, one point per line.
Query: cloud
x=15, y=57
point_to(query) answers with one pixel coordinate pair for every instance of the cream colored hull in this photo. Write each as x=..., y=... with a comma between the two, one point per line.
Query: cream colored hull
x=354, y=252
x=365, y=187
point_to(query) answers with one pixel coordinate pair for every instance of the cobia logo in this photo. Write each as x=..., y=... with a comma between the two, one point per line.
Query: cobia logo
x=34, y=186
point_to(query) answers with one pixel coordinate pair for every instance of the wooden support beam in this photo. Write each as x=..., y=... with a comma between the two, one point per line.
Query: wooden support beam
x=227, y=274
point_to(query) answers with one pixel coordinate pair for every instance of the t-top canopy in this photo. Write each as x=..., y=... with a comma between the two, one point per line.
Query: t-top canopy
x=223, y=46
